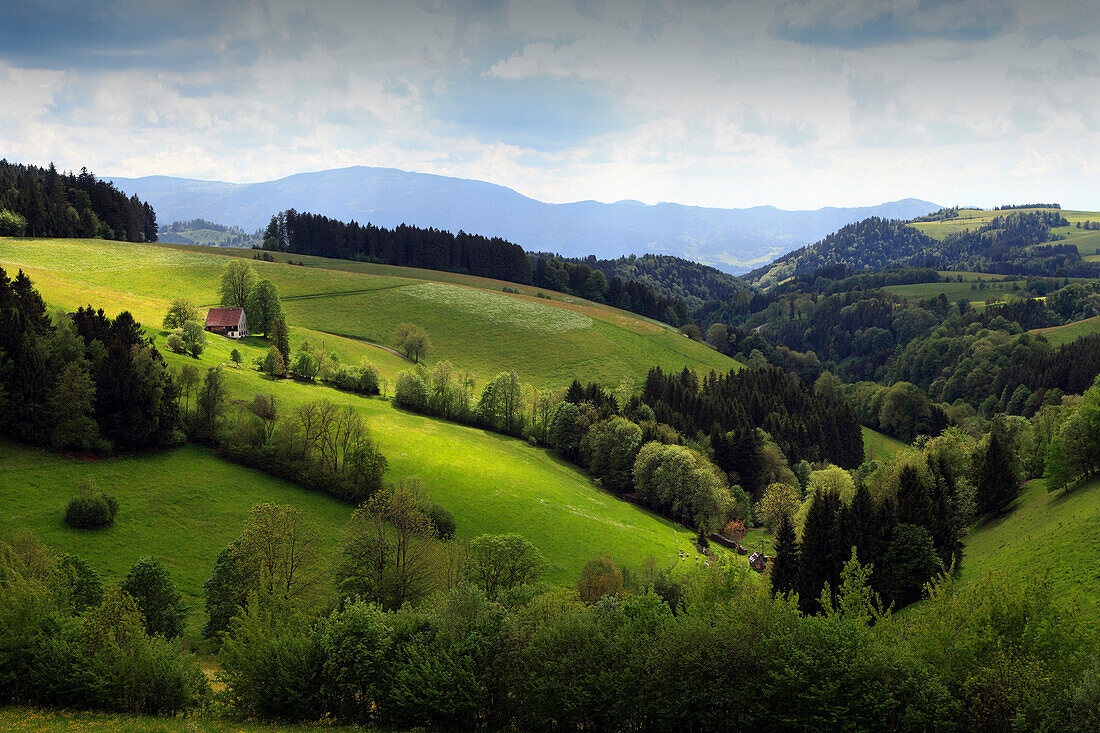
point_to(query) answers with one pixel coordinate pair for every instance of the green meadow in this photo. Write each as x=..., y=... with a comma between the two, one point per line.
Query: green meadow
x=471, y=322
x=1058, y=335
x=878, y=446
x=1053, y=535
x=975, y=293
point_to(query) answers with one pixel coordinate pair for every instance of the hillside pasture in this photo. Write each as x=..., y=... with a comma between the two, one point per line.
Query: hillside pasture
x=975, y=293
x=1053, y=535
x=1059, y=335
x=478, y=328
x=879, y=446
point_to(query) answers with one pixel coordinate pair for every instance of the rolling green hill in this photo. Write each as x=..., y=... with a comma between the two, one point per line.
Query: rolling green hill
x=1058, y=335
x=471, y=322
x=185, y=504
x=1056, y=535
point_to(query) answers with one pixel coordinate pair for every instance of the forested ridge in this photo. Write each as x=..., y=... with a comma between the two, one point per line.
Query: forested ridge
x=668, y=276
x=43, y=202
x=433, y=249
x=1016, y=243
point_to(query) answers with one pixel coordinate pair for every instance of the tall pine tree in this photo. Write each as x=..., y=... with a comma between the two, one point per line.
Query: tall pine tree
x=784, y=571
x=996, y=480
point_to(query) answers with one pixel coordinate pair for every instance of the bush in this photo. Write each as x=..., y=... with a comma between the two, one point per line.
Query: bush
x=90, y=509
x=443, y=521
x=161, y=605
x=362, y=380
x=410, y=391
x=175, y=343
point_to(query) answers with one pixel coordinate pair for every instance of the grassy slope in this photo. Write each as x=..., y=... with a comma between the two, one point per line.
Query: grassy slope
x=1087, y=242
x=1058, y=335
x=878, y=446
x=182, y=505
x=471, y=322
x=1057, y=535
x=976, y=295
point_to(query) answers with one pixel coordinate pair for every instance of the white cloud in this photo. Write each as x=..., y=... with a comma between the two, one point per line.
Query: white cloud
x=707, y=105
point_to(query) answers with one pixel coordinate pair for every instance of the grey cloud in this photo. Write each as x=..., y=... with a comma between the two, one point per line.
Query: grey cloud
x=854, y=24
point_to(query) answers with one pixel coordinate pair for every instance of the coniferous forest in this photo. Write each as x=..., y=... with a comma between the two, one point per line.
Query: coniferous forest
x=43, y=202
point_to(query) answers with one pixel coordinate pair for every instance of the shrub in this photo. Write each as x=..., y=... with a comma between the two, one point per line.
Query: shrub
x=362, y=380
x=175, y=343
x=410, y=391
x=161, y=605
x=443, y=521
x=90, y=509
x=305, y=366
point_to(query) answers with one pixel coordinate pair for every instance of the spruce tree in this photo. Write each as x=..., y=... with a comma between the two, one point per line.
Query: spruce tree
x=575, y=393
x=946, y=529
x=914, y=503
x=784, y=572
x=995, y=477
x=818, y=563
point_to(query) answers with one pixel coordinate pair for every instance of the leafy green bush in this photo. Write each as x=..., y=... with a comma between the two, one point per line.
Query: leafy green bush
x=90, y=509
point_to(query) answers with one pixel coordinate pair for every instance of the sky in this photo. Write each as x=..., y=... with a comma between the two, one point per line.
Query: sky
x=796, y=104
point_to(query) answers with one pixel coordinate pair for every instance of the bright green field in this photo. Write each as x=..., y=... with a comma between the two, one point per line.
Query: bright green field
x=25, y=720
x=185, y=504
x=1056, y=535
x=476, y=327
x=1086, y=241
x=182, y=505
x=879, y=447
x=973, y=292
x=1058, y=335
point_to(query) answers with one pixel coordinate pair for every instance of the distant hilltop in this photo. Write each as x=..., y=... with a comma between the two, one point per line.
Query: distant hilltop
x=734, y=240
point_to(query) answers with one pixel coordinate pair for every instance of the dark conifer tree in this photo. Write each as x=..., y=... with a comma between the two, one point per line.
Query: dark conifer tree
x=947, y=529
x=575, y=393
x=820, y=555
x=784, y=570
x=995, y=478
x=914, y=502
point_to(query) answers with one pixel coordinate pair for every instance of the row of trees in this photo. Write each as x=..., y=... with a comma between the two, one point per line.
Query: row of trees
x=408, y=246
x=43, y=202
x=87, y=382
x=433, y=249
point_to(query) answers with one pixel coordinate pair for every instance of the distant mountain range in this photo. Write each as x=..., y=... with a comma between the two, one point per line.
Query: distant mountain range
x=734, y=240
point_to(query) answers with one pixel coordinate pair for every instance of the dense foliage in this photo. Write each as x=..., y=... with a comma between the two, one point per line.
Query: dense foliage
x=804, y=424
x=66, y=643
x=1015, y=243
x=86, y=383
x=668, y=276
x=408, y=246
x=91, y=509
x=42, y=202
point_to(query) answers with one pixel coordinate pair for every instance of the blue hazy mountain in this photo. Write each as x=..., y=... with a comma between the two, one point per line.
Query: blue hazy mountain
x=732, y=239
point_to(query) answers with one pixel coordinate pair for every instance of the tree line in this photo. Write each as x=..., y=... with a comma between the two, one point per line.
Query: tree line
x=433, y=249
x=43, y=202
x=495, y=649
x=85, y=382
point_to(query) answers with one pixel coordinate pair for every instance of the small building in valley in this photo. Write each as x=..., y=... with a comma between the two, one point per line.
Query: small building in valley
x=758, y=562
x=230, y=322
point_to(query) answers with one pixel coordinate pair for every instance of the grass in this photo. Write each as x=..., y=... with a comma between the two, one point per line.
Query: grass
x=471, y=322
x=975, y=294
x=30, y=720
x=185, y=504
x=878, y=446
x=1059, y=335
x=182, y=505
x=1056, y=535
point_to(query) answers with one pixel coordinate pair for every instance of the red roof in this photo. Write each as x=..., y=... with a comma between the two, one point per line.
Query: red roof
x=224, y=317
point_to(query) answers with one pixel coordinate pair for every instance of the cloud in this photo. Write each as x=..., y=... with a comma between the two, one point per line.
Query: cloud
x=855, y=24
x=541, y=113
x=112, y=34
